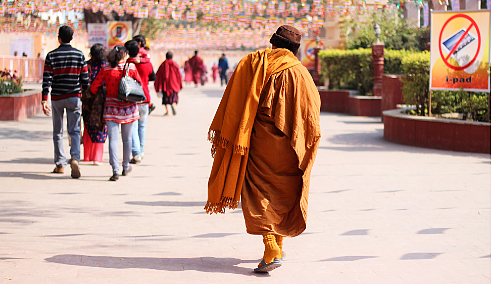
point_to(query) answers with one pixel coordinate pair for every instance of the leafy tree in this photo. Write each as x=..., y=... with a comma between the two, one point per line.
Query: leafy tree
x=396, y=32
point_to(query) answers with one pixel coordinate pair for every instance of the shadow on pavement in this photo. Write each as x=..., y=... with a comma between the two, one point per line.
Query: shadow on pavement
x=15, y=133
x=167, y=203
x=212, y=94
x=37, y=175
x=204, y=264
x=348, y=258
x=29, y=161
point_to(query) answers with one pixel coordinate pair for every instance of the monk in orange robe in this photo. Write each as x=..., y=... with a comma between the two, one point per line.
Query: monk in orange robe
x=264, y=136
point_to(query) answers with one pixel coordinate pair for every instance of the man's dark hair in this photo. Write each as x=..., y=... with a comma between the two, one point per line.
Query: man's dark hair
x=97, y=53
x=65, y=33
x=223, y=54
x=132, y=47
x=140, y=39
x=196, y=52
x=169, y=55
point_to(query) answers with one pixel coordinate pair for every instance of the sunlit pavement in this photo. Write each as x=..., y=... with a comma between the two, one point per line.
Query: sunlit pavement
x=379, y=212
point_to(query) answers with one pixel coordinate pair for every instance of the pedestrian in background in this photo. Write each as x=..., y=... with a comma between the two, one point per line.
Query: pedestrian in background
x=188, y=72
x=118, y=112
x=264, y=141
x=168, y=80
x=65, y=71
x=93, y=137
x=215, y=71
x=143, y=57
x=139, y=129
x=223, y=66
x=196, y=64
x=203, y=75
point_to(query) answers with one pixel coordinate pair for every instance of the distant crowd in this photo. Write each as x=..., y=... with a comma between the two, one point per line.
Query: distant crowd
x=90, y=93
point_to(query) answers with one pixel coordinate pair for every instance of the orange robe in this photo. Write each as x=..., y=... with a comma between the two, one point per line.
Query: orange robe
x=274, y=196
x=264, y=136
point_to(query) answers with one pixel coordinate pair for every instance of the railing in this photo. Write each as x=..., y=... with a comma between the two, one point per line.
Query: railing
x=31, y=69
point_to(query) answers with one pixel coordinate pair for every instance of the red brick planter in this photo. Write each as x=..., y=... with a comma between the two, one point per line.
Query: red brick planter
x=349, y=102
x=391, y=95
x=436, y=133
x=20, y=106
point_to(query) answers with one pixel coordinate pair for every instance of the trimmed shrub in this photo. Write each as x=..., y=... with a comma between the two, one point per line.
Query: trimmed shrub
x=353, y=69
x=416, y=68
x=470, y=104
x=348, y=69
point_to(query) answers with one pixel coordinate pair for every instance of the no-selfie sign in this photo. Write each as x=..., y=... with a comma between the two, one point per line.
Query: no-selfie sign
x=460, y=51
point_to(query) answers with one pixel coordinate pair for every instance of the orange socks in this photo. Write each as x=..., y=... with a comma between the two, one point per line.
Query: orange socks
x=280, y=241
x=272, y=249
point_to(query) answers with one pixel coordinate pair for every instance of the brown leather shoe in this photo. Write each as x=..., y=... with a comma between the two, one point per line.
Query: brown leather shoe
x=58, y=170
x=74, y=164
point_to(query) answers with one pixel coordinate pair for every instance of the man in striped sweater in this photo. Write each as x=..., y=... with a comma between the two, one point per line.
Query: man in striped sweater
x=65, y=71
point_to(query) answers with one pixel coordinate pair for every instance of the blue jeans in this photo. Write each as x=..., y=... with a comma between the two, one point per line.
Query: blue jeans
x=73, y=106
x=138, y=136
x=126, y=137
x=223, y=77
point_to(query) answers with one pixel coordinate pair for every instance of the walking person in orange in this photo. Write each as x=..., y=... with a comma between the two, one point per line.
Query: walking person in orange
x=264, y=137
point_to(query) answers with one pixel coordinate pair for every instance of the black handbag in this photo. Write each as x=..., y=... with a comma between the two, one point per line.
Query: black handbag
x=130, y=89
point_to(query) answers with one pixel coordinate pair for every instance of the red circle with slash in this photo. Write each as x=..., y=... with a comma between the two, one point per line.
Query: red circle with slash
x=473, y=24
x=115, y=34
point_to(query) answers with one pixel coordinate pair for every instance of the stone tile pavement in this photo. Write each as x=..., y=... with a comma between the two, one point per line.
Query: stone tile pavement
x=379, y=212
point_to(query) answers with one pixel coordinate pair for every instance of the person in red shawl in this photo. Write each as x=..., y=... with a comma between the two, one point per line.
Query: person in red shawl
x=196, y=64
x=188, y=72
x=215, y=72
x=168, y=80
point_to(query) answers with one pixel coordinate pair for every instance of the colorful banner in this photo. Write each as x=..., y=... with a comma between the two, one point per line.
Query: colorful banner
x=119, y=33
x=98, y=33
x=455, y=5
x=426, y=15
x=460, y=51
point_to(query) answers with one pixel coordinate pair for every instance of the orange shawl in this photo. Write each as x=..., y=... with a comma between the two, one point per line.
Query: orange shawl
x=231, y=128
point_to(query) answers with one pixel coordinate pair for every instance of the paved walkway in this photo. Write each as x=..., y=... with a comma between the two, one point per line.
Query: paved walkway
x=379, y=212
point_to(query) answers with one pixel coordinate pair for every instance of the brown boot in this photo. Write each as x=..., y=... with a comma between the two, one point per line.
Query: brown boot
x=74, y=164
x=59, y=169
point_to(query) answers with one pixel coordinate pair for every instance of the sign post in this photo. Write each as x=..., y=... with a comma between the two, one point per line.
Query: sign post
x=97, y=34
x=119, y=33
x=460, y=51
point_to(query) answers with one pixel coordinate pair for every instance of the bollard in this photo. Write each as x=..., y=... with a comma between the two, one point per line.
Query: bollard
x=378, y=63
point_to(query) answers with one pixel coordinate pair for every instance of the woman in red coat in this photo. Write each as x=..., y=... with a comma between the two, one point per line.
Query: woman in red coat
x=168, y=80
x=118, y=112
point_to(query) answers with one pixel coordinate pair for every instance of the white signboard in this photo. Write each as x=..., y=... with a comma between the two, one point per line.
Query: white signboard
x=98, y=34
x=21, y=45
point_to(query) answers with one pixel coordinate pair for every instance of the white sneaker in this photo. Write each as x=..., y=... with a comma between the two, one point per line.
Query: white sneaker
x=96, y=163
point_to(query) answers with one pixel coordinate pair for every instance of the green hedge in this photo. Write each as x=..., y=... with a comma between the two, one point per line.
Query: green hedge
x=353, y=70
x=348, y=69
x=416, y=68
